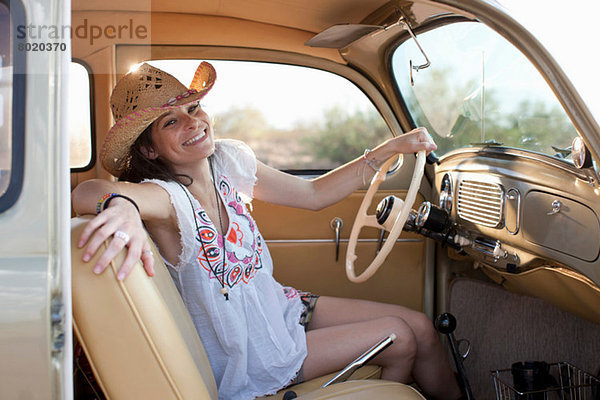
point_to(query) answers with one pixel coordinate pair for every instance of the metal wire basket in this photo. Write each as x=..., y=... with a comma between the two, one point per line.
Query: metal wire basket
x=570, y=383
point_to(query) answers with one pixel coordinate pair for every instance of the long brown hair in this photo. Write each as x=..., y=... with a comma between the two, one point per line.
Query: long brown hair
x=141, y=167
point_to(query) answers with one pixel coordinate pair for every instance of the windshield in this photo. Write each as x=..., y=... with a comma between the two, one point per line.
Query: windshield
x=480, y=90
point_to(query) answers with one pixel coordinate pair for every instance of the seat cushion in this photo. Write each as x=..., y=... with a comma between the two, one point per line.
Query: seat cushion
x=365, y=389
x=366, y=372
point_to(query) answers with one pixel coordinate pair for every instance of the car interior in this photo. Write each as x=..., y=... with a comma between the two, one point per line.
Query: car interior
x=499, y=226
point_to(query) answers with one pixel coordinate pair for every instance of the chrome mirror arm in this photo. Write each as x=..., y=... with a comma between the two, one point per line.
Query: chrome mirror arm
x=412, y=66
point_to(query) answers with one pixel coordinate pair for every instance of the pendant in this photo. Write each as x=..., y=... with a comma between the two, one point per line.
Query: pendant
x=225, y=293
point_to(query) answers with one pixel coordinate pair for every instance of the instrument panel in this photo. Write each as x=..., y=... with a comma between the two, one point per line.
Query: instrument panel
x=516, y=210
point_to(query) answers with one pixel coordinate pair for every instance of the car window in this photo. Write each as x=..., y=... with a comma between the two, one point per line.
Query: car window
x=480, y=89
x=12, y=102
x=80, y=127
x=294, y=118
x=5, y=98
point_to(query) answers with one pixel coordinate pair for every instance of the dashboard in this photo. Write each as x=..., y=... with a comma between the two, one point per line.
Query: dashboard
x=516, y=210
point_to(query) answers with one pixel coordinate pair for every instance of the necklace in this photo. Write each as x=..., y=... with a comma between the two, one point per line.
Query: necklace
x=223, y=290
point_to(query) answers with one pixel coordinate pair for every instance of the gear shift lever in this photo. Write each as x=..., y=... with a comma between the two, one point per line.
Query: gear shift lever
x=446, y=323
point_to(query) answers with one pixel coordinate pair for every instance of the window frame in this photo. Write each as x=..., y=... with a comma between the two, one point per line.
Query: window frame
x=92, y=161
x=17, y=14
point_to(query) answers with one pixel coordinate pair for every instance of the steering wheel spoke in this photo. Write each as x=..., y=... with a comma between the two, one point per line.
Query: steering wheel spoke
x=371, y=221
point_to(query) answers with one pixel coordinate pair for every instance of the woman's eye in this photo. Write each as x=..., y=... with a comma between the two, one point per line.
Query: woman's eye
x=192, y=108
x=169, y=122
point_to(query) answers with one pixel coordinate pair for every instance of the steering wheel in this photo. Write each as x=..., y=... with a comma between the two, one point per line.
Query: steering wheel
x=394, y=223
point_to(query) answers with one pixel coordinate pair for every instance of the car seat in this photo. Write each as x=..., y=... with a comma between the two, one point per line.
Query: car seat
x=141, y=343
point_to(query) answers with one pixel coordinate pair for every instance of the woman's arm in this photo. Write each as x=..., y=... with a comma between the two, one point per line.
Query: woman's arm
x=280, y=188
x=120, y=215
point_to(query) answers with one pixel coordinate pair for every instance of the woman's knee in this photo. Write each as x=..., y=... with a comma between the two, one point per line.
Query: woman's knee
x=405, y=345
x=425, y=333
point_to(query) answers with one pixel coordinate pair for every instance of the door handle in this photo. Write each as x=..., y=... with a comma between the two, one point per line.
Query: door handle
x=336, y=224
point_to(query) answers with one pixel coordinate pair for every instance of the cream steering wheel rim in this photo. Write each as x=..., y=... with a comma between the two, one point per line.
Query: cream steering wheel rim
x=363, y=219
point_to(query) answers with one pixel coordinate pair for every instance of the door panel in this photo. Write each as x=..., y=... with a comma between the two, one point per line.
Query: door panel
x=302, y=244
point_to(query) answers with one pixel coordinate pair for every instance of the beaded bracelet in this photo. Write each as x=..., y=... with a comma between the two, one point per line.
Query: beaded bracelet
x=102, y=200
x=369, y=163
x=111, y=196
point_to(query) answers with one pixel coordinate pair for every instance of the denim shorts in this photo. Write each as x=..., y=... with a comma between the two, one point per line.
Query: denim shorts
x=309, y=301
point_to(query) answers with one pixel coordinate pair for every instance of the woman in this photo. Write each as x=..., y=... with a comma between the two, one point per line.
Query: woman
x=192, y=199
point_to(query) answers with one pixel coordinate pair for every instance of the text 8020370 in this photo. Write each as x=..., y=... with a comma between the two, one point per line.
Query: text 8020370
x=35, y=46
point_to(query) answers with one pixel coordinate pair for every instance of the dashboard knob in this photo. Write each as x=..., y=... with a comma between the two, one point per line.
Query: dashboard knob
x=499, y=252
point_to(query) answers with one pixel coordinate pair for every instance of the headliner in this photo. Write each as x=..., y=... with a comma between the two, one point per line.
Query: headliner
x=308, y=15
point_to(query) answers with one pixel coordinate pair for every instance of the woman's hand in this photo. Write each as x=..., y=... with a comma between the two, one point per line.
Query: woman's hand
x=122, y=221
x=411, y=142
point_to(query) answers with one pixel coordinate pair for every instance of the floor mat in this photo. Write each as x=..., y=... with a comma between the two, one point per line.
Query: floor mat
x=504, y=328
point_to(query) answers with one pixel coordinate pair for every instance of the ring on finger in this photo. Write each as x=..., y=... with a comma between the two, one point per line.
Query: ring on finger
x=123, y=236
x=147, y=251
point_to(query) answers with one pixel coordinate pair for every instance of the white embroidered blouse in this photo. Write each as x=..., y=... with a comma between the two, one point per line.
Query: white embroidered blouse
x=254, y=341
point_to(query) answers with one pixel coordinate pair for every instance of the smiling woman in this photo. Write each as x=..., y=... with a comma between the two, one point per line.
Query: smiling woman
x=193, y=199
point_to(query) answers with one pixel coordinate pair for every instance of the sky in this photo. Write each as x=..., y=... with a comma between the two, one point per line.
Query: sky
x=569, y=30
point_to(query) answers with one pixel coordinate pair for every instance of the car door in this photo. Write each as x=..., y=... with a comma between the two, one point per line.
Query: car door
x=35, y=335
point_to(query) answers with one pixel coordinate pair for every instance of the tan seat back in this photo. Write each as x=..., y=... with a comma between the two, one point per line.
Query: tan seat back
x=137, y=334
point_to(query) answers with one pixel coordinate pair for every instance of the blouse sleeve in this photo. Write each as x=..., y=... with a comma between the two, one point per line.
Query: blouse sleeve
x=237, y=161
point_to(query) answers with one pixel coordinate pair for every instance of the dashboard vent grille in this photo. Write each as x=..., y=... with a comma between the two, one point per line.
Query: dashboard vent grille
x=480, y=202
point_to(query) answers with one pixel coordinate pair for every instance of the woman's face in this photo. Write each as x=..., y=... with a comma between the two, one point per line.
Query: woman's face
x=182, y=136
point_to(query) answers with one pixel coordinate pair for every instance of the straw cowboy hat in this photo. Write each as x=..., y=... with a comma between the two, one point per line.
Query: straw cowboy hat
x=138, y=99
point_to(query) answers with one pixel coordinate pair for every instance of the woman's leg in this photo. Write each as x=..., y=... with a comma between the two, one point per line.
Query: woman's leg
x=430, y=367
x=332, y=348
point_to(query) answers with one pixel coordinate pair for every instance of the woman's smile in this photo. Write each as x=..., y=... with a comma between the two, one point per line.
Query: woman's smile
x=196, y=138
x=180, y=130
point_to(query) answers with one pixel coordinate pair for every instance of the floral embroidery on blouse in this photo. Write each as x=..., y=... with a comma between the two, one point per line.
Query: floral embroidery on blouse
x=290, y=293
x=244, y=245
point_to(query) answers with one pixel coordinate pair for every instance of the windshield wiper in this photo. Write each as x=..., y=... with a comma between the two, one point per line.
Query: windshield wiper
x=562, y=153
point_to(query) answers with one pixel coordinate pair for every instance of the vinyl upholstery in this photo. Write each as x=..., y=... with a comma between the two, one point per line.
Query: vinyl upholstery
x=141, y=342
